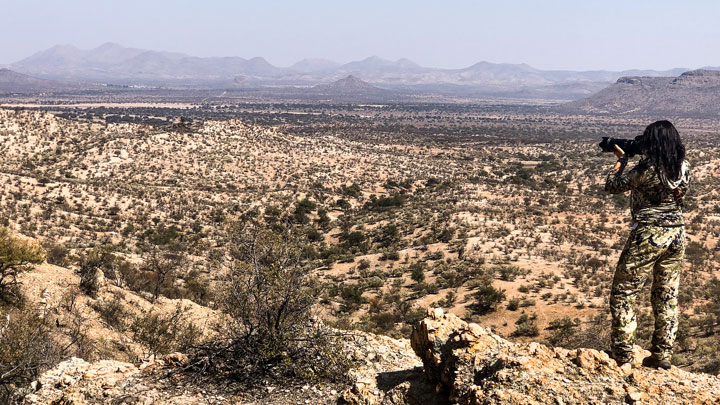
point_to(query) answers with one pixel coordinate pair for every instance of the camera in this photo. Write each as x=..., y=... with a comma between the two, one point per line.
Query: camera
x=631, y=147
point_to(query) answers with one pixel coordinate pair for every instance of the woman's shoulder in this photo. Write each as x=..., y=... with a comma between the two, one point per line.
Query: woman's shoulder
x=643, y=166
x=644, y=173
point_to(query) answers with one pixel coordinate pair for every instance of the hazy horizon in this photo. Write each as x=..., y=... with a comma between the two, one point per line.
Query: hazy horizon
x=562, y=35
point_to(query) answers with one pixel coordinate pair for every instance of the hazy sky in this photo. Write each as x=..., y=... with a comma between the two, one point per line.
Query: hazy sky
x=577, y=34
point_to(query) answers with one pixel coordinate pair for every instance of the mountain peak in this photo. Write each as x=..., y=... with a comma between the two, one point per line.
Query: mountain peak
x=62, y=47
x=350, y=86
x=701, y=72
x=108, y=46
x=374, y=58
x=314, y=65
x=407, y=63
x=351, y=83
x=698, y=78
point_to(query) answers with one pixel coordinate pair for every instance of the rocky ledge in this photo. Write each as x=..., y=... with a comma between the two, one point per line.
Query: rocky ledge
x=446, y=361
x=468, y=364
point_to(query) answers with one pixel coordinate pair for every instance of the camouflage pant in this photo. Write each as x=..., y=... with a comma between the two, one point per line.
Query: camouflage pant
x=648, y=248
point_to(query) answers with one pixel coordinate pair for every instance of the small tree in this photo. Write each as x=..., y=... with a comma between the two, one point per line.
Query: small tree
x=16, y=257
x=163, y=266
x=563, y=331
x=526, y=326
x=269, y=288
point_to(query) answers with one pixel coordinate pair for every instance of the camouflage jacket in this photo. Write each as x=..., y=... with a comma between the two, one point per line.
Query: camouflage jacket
x=654, y=199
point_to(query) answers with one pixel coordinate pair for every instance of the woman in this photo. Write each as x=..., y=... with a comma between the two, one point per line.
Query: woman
x=656, y=244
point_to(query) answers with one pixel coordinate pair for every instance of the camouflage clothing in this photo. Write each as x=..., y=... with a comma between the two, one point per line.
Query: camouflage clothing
x=655, y=249
x=656, y=244
x=654, y=199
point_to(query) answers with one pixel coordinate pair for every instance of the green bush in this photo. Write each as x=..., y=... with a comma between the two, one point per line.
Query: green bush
x=508, y=273
x=525, y=327
x=487, y=298
x=99, y=258
x=563, y=331
x=352, y=298
x=56, y=254
x=112, y=312
x=417, y=274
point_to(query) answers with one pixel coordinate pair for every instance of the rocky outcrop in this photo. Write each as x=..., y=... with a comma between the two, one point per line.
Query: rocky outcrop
x=350, y=86
x=384, y=368
x=468, y=364
x=446, y=361
x=474, y=366
x=387, y=372
x=78, y=382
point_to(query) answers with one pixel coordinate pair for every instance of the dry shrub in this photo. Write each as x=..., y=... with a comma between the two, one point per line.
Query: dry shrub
x=165, y=333
x=268, y=295
x=26, y=350
x=98, y=259
x=112, y=312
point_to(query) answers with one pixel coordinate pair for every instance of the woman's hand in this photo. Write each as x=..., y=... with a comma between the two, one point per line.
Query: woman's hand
x=620, y=155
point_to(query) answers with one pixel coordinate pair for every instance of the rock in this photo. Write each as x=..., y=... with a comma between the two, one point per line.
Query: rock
x=471, y=365
x=77, y=382
x=177, y=359
x=100, y=278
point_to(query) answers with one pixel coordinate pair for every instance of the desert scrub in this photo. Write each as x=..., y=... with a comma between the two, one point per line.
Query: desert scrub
x=112, y=312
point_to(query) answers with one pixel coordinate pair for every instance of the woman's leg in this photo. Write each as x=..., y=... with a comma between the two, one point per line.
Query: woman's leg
x=666, y=279
x=636, y=261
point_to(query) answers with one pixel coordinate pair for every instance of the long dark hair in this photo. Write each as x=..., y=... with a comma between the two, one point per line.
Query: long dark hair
x=664, y=148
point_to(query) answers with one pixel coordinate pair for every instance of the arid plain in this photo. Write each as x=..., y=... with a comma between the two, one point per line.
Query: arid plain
x=494, y=212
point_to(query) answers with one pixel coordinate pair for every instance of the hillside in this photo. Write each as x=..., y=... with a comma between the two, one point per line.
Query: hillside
x=14, y=82
x=695, y=93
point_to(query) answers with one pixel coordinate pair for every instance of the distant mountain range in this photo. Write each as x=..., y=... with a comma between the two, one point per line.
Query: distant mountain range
x=115, y=64
x=693, y=93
